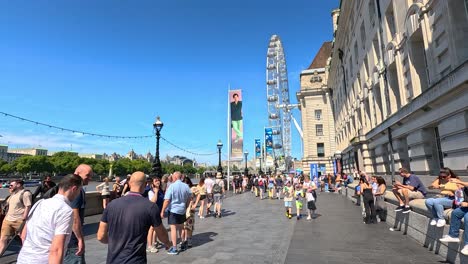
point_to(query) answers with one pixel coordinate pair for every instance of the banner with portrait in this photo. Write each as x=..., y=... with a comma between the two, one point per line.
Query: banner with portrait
x=269, y=159
x=258, y=151
x=237, y=127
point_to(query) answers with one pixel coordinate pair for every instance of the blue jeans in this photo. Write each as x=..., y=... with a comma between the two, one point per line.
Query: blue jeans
x=437, y=205
x=71, y=258
x=455, y=223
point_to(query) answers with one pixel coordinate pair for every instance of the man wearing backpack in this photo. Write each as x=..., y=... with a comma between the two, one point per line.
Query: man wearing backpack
x=19, y=202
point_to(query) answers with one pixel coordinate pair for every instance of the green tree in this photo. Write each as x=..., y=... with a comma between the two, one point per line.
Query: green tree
x=189, y=169
x=65, y=162
x=7, y=168
x=99, y=169
x=201, y=170
x=123, y=167
x=23, y=164
x=141, y=165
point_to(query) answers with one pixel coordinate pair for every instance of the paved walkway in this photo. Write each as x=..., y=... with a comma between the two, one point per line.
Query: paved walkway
x=255, y=231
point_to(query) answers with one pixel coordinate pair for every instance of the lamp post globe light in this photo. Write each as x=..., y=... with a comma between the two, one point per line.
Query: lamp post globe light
x=220, y=146
x=246, y=170
x=157, y=169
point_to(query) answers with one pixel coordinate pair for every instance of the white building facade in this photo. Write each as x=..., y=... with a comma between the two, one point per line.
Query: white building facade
x=399, y=77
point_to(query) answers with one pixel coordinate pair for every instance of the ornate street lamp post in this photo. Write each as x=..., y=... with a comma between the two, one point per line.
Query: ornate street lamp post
x=261, y=159
x=220, y=146
x=157, y=169
x=246, y=170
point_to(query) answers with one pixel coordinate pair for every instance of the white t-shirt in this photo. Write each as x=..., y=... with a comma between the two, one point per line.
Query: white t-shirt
x=309, y=195
x=209, y=185
x=52, y=217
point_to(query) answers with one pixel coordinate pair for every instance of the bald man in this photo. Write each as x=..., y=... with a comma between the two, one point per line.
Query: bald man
x=76, y=248
x=128, y=245
x=176, y=200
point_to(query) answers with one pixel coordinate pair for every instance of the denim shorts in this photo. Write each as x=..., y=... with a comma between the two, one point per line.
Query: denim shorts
x=287, y=203
x=176, y=219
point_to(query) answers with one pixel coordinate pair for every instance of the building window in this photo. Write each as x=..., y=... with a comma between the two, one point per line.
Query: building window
x=319, y=130
x=440, y=154
x=315, y=79
x=363, y=35
x=371, y=10
x=356, y=53
x=320, y=149
x=318, y=114
x=390, y=17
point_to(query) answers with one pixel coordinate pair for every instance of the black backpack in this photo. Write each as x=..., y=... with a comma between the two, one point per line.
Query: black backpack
x=51, y=192
x=217, y=188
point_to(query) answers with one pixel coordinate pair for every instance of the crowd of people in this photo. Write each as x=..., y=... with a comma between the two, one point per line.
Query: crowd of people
x=453, y=194
x=51, y=228
x=289, y=189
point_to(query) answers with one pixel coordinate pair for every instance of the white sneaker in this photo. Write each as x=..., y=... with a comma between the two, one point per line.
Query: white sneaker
x=308, y=217
x=441, y=223
x=448, y=238
x=433, y=222
x=464, y=251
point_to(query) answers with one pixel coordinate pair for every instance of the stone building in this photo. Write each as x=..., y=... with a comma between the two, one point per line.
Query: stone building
x=29, y=151
x=316, y=113
x=398, y=73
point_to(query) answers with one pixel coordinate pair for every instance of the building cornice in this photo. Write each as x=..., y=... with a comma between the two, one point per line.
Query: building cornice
x=312, y=71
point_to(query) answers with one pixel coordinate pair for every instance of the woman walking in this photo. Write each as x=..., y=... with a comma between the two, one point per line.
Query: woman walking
x=155, y=195
x=104, y=188
x=368, y=197
x=201, y=188
x=271, y=186
x=218, y=192
x=380, y=206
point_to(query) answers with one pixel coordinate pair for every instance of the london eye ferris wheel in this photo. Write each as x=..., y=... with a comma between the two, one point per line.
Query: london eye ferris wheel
x=279, y=107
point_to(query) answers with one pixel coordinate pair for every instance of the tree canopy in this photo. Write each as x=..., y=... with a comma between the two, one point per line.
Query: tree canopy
x=62, y=163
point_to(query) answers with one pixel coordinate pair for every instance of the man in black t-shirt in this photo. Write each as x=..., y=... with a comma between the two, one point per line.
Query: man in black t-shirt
x=46, y=185
x=136, y=214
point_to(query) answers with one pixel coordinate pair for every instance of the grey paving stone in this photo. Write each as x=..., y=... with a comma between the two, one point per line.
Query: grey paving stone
x=255, y=231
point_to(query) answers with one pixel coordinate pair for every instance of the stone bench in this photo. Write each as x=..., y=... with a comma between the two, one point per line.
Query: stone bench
x=416, y=225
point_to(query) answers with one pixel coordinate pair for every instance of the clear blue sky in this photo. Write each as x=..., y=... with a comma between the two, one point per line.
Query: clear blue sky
x=111, y=67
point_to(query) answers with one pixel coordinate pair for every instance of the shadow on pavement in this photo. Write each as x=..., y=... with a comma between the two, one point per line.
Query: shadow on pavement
x=226, y=213
x=316, y=216
x=203, y=238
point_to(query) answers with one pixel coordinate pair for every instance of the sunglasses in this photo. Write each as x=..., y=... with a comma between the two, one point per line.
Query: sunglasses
x=11, y=186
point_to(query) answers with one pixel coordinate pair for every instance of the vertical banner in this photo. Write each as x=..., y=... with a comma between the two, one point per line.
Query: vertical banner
x=269, y=147
x=335, y=171
x=237, y=127
x=313, y=170
x=258, y=152
x=322, y=168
